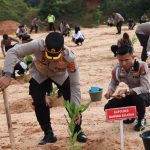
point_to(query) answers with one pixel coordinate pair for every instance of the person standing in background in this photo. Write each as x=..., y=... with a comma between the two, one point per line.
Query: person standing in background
x=34, y=25
x=51, y=20
x=118, y=21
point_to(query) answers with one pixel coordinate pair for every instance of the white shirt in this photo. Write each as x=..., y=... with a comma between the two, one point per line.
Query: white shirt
x=78, y=35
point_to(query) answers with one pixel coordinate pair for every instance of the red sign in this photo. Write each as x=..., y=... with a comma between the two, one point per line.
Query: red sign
x=120, y=113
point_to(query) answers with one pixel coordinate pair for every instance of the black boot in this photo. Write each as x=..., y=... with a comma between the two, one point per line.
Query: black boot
x=48, y=138
x=48, y=135
x=81, y=136
x=140, y=124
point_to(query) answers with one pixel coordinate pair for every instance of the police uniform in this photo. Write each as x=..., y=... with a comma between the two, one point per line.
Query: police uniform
x=143, y=32
x=51, y=20
x=137, y=81
x=64, y=72
x=118, y=21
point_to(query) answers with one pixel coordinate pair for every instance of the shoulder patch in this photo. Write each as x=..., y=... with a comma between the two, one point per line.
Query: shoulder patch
x=71, y=67
x=142, y=70
x=113, y=73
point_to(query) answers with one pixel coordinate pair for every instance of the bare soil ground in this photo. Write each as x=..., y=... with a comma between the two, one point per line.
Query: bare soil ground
x=95, y=63
x=8, y=26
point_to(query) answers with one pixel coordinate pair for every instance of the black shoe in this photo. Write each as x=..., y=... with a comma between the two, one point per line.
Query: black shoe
x=128, y=121
x=82, y=137
x=140, y=124
x=20, y=72
x=13, y=76
x=48, y=138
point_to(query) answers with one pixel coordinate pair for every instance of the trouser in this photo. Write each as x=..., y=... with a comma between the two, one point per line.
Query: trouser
x=8, y=47
x=19, y=68
x=51, y=26
x=119, y=25
x=143, y=41
x=131, y=25
x=114, y=49
x=140, y=101
x=79, y=40
x=38, y=92
x=34, y=27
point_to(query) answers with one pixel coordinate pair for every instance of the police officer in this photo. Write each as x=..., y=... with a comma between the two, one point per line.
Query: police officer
x=118, y=21
x=54, y=62
x=51, y=21
x=143, y=33
x=136, y=75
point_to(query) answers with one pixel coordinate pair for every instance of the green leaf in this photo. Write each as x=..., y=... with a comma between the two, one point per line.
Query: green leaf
x=74, y=110
x=67, y=106
x=82, y=108
x=134, y=39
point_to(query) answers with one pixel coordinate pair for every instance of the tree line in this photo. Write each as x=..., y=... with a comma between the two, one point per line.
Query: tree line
x=75, y=11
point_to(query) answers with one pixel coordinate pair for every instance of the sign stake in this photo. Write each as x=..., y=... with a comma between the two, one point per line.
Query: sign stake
x=9, y=123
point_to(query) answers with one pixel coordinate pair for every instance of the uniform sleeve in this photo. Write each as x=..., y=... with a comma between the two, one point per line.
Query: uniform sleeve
x=114, y=81
x=20, y=51
x=144, y=81
x=73, y=72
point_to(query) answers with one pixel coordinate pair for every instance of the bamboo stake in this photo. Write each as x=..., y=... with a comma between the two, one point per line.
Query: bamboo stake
x=9, y=123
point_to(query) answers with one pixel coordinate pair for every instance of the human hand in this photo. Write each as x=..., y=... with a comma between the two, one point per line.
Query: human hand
x=108, y=94
x=78, y=119
x=4, y=82
x=47, y=101
x=121, y=93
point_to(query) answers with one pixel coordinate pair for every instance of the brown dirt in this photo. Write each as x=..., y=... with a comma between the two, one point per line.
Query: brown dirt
x=8, y=26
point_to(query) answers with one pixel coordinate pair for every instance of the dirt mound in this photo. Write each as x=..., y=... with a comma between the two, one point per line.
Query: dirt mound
x=25, y=105
x=8, y=26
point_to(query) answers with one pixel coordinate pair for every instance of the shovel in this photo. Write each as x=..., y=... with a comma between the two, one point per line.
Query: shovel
x=9, y=123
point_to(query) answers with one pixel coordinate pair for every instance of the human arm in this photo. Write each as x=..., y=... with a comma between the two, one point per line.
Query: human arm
x=2, y=47
x=144, y=81
x=5, y=81
x=119, y=42
x=13, y=39
x=73, y=72
x=108, y=94
x=20, y=51
x=113, y=84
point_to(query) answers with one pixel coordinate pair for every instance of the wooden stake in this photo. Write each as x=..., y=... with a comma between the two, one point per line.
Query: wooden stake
x=9, y=123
